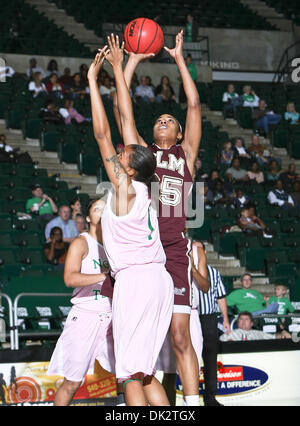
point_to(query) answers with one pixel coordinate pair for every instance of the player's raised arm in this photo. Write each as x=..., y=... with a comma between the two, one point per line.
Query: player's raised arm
x=115, y=58
x=193, y=130
x=130, y=67
x=101, y=127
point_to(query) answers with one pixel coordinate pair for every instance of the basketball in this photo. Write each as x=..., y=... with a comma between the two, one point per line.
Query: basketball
x=143, y=35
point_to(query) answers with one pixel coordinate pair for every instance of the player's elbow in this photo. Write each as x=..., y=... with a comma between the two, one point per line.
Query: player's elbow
x=69, y=279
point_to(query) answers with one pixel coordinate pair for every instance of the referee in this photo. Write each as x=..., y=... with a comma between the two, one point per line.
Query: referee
x=208, y=303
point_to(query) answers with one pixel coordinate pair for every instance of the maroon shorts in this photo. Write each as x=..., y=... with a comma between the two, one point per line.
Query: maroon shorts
x=177, y=249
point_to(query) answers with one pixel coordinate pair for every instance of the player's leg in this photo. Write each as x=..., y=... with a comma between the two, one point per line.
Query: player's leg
x=155, y=392
x=65, y=393
x=187, y=362
x=134, y=391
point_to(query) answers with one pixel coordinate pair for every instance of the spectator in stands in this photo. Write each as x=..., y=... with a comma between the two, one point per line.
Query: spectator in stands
x=279, y=197
x=253, y=216
x=231, y=100
x=240, y=151
x=40, y=204
x=144, y=92
x=284, y=303
x=235, y=173
x=240, y=200
x=213, y=178
x=193, y=71
x=295, y=194
x=83, y=70
x=56, y=249
x=263, y=117
x=75, y=206
x=66, y=79
x=107, y=90
x=258, y=151
x=6, y=72
x=3, y=144
x=70, y=113
x=33, y=68
x=81, y=224
x=216, y=197
x=255, y=174
x=227, y=153
x=245, y=331
x=37, y=87
x=149, y=82
x=273, y=173
x=199, y=173
x=249, y=98
x=291, y=115
x=77, y=88
x=289, y=177
x=251, y=224
x=164, y=91
x=248, y=299
x=52, y=68
x=50, y=113
x=64, y=222
x=191, y=29
x=55, y=88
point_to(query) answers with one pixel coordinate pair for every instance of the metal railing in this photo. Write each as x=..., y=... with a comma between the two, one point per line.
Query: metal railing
x=10, y=318
x=284, y=66
x=15, y=315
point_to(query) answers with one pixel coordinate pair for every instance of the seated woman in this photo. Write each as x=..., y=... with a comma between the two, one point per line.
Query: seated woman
x=227, y=153
x=107, y=91
x=273, y=173
x=291, y=115
x=69, y=113
x=36, y=87
x=255, y=174
x=164, y=91
x=240, y=152
x=77, y=88
x=252, y=225
x=56, y=250
x=55, y=87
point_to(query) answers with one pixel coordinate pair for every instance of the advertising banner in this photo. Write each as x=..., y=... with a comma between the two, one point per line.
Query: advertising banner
x=27, y=384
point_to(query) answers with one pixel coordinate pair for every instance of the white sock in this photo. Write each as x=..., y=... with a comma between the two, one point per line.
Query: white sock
x=192, y=400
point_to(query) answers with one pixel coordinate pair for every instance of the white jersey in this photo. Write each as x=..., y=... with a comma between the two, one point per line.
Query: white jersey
x=94, y=263
x=132, y=239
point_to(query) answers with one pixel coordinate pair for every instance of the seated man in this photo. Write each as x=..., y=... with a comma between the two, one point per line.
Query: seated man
x=231, y=100
x=245, y=331
x=144, y=91
x=3, y=144
x=279, y=197
x=235, y=172
x=40, y=204
x=247, y=299
x=64, y=222
x=289, y=177
x=251, y=224
x=263, y=118
x=249, y=98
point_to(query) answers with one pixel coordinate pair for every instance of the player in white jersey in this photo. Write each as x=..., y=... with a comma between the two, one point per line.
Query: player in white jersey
x=143, y=290
x=87, y=334
x=167, y=358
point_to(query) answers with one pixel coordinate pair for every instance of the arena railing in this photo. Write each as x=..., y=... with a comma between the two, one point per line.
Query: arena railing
x=10, y=319
x=17, y=333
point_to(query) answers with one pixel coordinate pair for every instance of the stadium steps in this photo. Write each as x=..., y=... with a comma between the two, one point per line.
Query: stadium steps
x=273, y=17
x=68, y=23
x=50, y=161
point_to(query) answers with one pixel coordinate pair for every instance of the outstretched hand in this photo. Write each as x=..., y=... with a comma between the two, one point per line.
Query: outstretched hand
x=115, y=55
x=177, y=51
x=139, y=57
x=97, y=64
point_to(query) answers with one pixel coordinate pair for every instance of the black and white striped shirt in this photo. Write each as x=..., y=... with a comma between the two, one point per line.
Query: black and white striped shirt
x=208, y=301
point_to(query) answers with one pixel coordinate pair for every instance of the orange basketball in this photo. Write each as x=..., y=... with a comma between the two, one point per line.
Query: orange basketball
x=143, y=35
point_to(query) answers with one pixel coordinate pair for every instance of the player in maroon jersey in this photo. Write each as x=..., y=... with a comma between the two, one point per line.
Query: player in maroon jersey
x=175, y=162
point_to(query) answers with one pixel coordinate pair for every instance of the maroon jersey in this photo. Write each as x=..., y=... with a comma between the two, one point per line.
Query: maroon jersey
x=175, y=186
